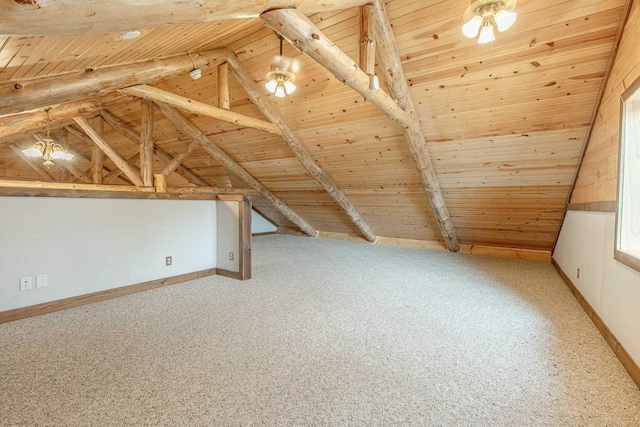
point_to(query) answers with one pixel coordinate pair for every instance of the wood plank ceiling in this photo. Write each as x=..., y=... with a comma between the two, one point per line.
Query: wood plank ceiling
x=504, y=123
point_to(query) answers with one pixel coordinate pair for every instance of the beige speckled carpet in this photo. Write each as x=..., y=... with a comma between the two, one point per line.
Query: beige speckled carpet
x=327, y=333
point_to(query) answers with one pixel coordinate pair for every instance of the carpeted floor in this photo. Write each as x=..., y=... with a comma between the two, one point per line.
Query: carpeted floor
x=327, y=333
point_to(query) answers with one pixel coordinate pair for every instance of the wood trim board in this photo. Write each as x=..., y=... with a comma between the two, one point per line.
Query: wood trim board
x=624, y=357
x=607, y=206
x=502, y=252
x=63, y=304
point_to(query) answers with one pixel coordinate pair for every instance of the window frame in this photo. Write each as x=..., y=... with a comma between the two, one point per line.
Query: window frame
x=620, y=255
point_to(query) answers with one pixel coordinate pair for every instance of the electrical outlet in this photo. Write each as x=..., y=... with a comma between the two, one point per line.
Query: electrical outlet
x=42, y=281
x=168, y=260
x=578, y=273
x=231, y=256
x=26, y=283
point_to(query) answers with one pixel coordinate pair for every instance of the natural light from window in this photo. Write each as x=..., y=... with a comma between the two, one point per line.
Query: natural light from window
x=628, y=221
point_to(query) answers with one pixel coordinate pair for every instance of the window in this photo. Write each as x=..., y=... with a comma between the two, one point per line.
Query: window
x=627, y=248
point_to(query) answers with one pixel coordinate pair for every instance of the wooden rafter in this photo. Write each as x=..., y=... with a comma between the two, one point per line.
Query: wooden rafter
x=177, y=160
x=18, y=97
x=389, y=58
x=109, y=151
x=63, y=114
x=300, y=152
x=162, y=155
x=306, y=37
x=197, y=107
x=218, y=154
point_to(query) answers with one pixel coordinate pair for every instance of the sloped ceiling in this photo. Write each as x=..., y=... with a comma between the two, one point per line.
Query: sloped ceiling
x=505, y=123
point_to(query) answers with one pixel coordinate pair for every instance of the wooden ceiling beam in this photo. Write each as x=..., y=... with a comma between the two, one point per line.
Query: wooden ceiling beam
x=78, y=17
x=109, y=151
x=21, y=96
x=63, y=113
x=307, y=38
x=97, y=156
x=177, y=160
x=218, y=154
x=299, y=151
x=389, y=58
x=200, y=108
x=162, y=155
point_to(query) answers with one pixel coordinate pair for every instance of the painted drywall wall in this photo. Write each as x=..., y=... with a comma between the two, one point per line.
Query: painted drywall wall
x=228, y=235
x=586, y=242
x=260, y=225
x=89, y=245
x=597, y=179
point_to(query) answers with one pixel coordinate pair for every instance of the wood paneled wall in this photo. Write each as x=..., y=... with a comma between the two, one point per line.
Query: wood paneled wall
x=598, y=175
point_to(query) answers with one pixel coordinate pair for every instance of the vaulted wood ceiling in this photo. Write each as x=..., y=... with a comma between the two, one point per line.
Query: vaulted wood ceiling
x=505, y=123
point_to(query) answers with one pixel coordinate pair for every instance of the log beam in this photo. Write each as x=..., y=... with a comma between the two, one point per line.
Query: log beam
x=306, y=37
x=162, y=155
x=218, y=154
x=223, y=86
x=177, y=160
x=63, y=113
x=109, y=151
x=146, y=143
x=300, y=152
x=212, y=190
x=8, y=183
x=115, y=173
x=390, y=62
x=33, y=162
x=200, y=108
x=18, y=97
x=69, y=165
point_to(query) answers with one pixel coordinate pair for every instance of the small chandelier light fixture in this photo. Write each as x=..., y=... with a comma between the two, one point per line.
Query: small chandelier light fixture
x=47, y=148
x=281, y=77
x=484, y=16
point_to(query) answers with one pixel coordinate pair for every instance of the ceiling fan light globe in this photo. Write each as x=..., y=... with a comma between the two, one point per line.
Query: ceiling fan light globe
x=505, y=19
x=32, y=152
x=471, y=28
x=487, y=34
x=289, y=87
x=280, y=92
x=271, y=86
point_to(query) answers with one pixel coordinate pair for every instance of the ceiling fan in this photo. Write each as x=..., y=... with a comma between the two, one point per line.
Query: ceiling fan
x=282, y=74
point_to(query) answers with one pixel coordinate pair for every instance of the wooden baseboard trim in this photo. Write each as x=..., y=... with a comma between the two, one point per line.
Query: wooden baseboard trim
x=608, y=206
x=626, y=360
x=63, y=304
x=502, y=252
x=266, y=233
x=228, y=273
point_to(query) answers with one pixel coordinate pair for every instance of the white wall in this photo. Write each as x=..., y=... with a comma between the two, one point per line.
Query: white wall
x=228, y=235
x=260, y=225
x=613, y=289
x=89, y=245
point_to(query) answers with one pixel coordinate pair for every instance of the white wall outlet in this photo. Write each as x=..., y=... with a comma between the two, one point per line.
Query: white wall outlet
x=168, y=260
x=231, y=256
x=42, y=281
x=26, y=283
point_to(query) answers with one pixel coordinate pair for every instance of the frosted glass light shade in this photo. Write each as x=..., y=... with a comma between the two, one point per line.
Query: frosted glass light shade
x=471, y=28
x=289, y=87
x=505, y=19
x=32, y=152
x=280, y=93
x=487, y=35
x=271, y=86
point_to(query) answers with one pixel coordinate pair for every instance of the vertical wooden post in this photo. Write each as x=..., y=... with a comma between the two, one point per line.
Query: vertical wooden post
x=97, y=156
x=368, y=45
x=146, y=143
x=245, y=238
x=63, y=172
x=223, y=86
x=160, y=183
